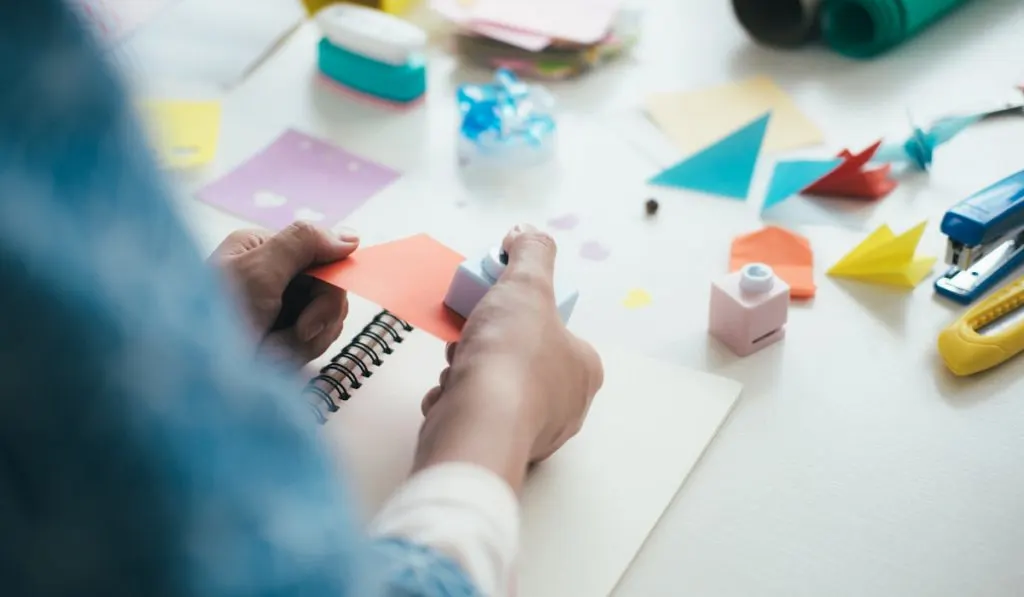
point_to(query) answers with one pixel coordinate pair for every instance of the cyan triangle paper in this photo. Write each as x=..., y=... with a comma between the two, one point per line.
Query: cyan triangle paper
x=792, y=177
x=725, y=168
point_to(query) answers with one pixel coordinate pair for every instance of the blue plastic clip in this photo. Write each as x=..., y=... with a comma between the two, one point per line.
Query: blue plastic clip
x=506, y=119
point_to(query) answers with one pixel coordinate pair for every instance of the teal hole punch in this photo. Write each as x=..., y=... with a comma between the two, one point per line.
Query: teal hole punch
x=372, y=53
x=396, y=84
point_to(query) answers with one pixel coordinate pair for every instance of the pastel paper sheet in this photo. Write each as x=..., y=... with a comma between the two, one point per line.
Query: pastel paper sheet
x=298, y=177
x=885, y=258
x=726, y=168
x=787, y=253
x=696, y=119
x=185, y=133
x=408, y=277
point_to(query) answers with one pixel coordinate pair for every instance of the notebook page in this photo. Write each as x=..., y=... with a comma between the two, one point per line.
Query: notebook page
x=588, y=510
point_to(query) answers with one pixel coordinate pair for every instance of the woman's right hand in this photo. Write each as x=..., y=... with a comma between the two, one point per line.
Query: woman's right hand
x=519, y=383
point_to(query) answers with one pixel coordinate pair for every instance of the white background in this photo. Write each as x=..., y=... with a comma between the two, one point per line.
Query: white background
x=854, y=463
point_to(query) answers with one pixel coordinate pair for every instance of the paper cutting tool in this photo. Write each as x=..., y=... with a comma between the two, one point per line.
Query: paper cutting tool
x=986, y=232
x=988, y=335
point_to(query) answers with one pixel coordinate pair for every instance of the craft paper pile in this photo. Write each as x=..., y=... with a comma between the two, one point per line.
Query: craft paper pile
x=540, y=38
x=888, y=259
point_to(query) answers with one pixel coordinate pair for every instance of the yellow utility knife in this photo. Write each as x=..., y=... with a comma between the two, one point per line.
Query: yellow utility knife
x=989, y=334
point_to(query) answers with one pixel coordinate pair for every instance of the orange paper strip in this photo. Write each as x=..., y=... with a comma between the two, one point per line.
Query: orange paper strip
x=408, y=277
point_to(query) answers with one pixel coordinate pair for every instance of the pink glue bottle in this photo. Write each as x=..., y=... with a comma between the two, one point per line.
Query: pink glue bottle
x=749, y=309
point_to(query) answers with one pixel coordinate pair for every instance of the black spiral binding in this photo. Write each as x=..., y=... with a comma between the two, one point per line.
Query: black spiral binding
x=338, y=378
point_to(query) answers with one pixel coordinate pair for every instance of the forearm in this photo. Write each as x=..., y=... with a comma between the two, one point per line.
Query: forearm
x=462, y=498
x=485, y=430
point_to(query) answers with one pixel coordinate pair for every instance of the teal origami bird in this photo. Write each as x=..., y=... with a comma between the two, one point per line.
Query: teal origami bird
x=919, y=149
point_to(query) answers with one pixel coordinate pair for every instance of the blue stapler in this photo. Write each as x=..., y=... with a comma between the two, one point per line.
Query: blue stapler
x=986, y=240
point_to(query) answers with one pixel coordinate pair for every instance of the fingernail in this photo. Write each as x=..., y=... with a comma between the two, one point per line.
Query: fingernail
x=313, y=331
x=521, y=229
x=348, y=235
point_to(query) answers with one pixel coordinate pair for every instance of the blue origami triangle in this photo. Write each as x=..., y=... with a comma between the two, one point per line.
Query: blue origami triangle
x=792, y=177
x=725, y=168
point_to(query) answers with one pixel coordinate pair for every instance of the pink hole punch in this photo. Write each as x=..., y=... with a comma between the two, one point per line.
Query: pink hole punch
x=749, y=309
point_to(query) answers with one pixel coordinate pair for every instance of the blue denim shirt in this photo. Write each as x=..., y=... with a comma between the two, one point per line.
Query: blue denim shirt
x=142, y=451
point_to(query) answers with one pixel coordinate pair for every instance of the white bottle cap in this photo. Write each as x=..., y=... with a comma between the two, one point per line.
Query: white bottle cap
x=493, y=264
x=756, y=278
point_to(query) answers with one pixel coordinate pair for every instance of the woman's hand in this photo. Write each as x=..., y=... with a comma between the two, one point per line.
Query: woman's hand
x=297, y=318
x=519, y=383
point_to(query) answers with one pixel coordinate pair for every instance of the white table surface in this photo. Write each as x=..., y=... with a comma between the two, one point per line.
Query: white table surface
x=854, y=463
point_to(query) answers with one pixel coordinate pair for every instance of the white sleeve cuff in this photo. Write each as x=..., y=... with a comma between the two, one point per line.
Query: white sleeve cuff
x=464, y=511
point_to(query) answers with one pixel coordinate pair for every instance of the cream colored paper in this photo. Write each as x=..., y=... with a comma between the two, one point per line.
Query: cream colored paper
x=588, y=510
x=694, y=120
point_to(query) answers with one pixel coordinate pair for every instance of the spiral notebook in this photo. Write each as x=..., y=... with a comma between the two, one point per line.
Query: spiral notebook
x=587, y=511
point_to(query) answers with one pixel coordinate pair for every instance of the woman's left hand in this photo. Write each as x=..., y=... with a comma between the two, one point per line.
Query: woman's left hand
x=291, y=313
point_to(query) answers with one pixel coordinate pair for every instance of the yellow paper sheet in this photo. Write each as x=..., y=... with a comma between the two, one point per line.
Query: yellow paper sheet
x=694, y=120
x=185, y=133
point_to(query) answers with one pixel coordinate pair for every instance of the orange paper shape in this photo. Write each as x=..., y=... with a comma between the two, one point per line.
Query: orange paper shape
x=408, y=277
x=852, y=181
x=788, y=254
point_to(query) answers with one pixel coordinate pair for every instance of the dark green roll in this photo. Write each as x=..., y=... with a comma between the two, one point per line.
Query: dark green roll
x=866, y=28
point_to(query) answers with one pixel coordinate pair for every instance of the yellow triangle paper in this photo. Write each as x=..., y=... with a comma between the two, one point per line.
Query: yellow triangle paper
x=848, y=264
x=884, y=258
x=908, y=277
x=896, y=253
x=185, y=133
